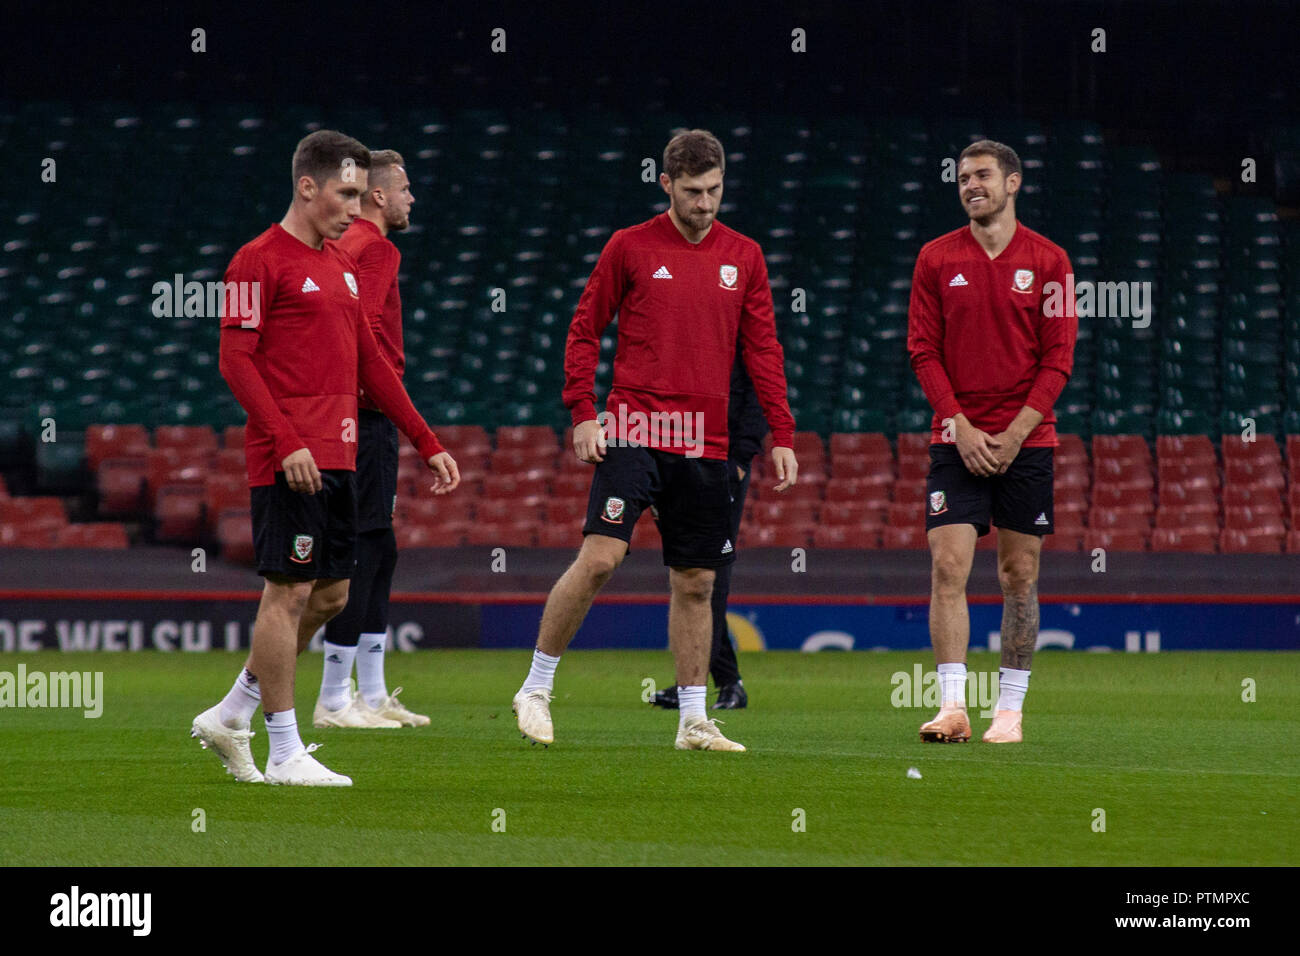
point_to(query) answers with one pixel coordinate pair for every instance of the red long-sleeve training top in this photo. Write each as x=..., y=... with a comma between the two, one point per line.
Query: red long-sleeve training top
x=977, y=333
x=295, y=364
x=680, y=309
x=378, y=261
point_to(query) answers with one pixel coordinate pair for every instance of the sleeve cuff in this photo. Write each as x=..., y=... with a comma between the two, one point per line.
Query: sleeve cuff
x=428, y=446
x=584, y=411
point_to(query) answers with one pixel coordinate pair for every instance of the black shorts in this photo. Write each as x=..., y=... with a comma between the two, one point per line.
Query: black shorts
x=376, y=471
x=307, y=536
x=1019, y=500
x=690, y=499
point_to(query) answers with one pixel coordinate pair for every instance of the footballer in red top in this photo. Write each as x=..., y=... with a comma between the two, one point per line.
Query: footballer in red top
x=359, y=633
x=687, y=291
x=992, y=357
x=295, y=365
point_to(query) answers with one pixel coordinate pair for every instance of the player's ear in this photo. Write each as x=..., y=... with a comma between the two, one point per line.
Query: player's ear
x=667, y=183
x=1013, y=184
x=307, y=188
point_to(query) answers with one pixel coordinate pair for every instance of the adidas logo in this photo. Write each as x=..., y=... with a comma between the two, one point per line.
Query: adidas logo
x=310, y=286
x=662, y=273
x=334, y=659
x=958, y=279
x=726, y=548
x=376, y=649
x=1042, y=518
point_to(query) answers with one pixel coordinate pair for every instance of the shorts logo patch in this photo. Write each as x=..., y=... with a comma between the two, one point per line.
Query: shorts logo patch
x=1041, y=519
x=727, y=548
x=1024, y=280
x=728, y=276
x=350, y=279
x=393, y=510
x=302, y=545
x=613, y=512
x=938, y=502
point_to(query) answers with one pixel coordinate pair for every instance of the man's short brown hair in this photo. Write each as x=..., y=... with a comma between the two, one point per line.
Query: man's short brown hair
x=322, y=155
x=693, y=153
x=382, y=164
x=1007, y=159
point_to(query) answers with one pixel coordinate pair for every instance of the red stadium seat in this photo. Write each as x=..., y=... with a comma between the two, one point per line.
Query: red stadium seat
x=1103, y=518
x=1258, y=472
x=846, y=536
x=178, y=466
x=913, y=445
x=410, y=536
x=1188, y=497
x=1185, y=448
x=1203, y=473
x=566, y=511
x=853, y=466
x=456, y=437
x=1115, y=540
x=235, y=536
x=185, y=437
x=1241, y=541
x=233, y=436
x=539, y=439
x=852, y=513
x=101, y=535
x=571, y=484
x=178, y=513
x=1254, y=521
x=1122, y=472
x=224, y=493
x=906, y=514
x=502, y=534
x=783, y=535
x=1063, y=540
x=1179, y=519
x=1068, y=522
x=115, y=441
x=645, y=536
x=895, y=537
x=1121, y=447
x=1264, y=448
x=512, y=510
x=1119, y=496
x=42, y=513
x=865, y=491
x=230, y=461
x=560, y=535
x=1248, y=496
x=1191, y=542
x=864, y=444
x=777, y=511
x=121, y=485
x=1074, y=477
x=27, y=536
x=532, y=463
x=1293, y=542
x=913, y=469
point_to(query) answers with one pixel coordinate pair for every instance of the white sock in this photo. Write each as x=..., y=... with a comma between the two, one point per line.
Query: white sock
x=952, y=682
x=282, y=728
x=691, y=702
x=541, y=676
x=370, y=668
x=335, y=692
x=240, y=704
x=1013, y=684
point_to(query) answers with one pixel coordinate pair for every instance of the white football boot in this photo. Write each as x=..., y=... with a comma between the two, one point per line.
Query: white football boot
x=703, y=734
x=304, y=770
x=392, y=709
x=355, y=714
x=230, y=745
x=534, y=712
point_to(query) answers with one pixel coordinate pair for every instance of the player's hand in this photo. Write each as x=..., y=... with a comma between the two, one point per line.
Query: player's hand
x=978, y=449
x=447, y=475
x=589, y=442
x=301, y=473
x=787, y=469
x=1009, y=450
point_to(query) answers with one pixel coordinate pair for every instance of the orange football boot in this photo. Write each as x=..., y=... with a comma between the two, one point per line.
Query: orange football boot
x=1005, y=728
x=951, y=726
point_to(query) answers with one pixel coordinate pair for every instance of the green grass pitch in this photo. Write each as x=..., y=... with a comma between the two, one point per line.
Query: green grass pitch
x=1185, y=770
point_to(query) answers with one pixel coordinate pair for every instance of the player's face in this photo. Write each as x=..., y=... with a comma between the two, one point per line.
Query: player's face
x=983, y=189
x=397, y=213
x=337, y=203
x=695, y=199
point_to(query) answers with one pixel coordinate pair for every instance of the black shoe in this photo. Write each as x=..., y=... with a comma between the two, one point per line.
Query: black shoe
x=667, y=699
x=732, y=697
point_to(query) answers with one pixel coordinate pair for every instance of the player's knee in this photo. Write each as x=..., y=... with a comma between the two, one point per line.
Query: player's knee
x=948, y=573
x=599, y=560
x=1017, y=573
x=287, y=595
x=693, y=584
x=330, y=602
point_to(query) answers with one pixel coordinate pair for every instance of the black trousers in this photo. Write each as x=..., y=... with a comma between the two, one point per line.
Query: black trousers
x=722, y=658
